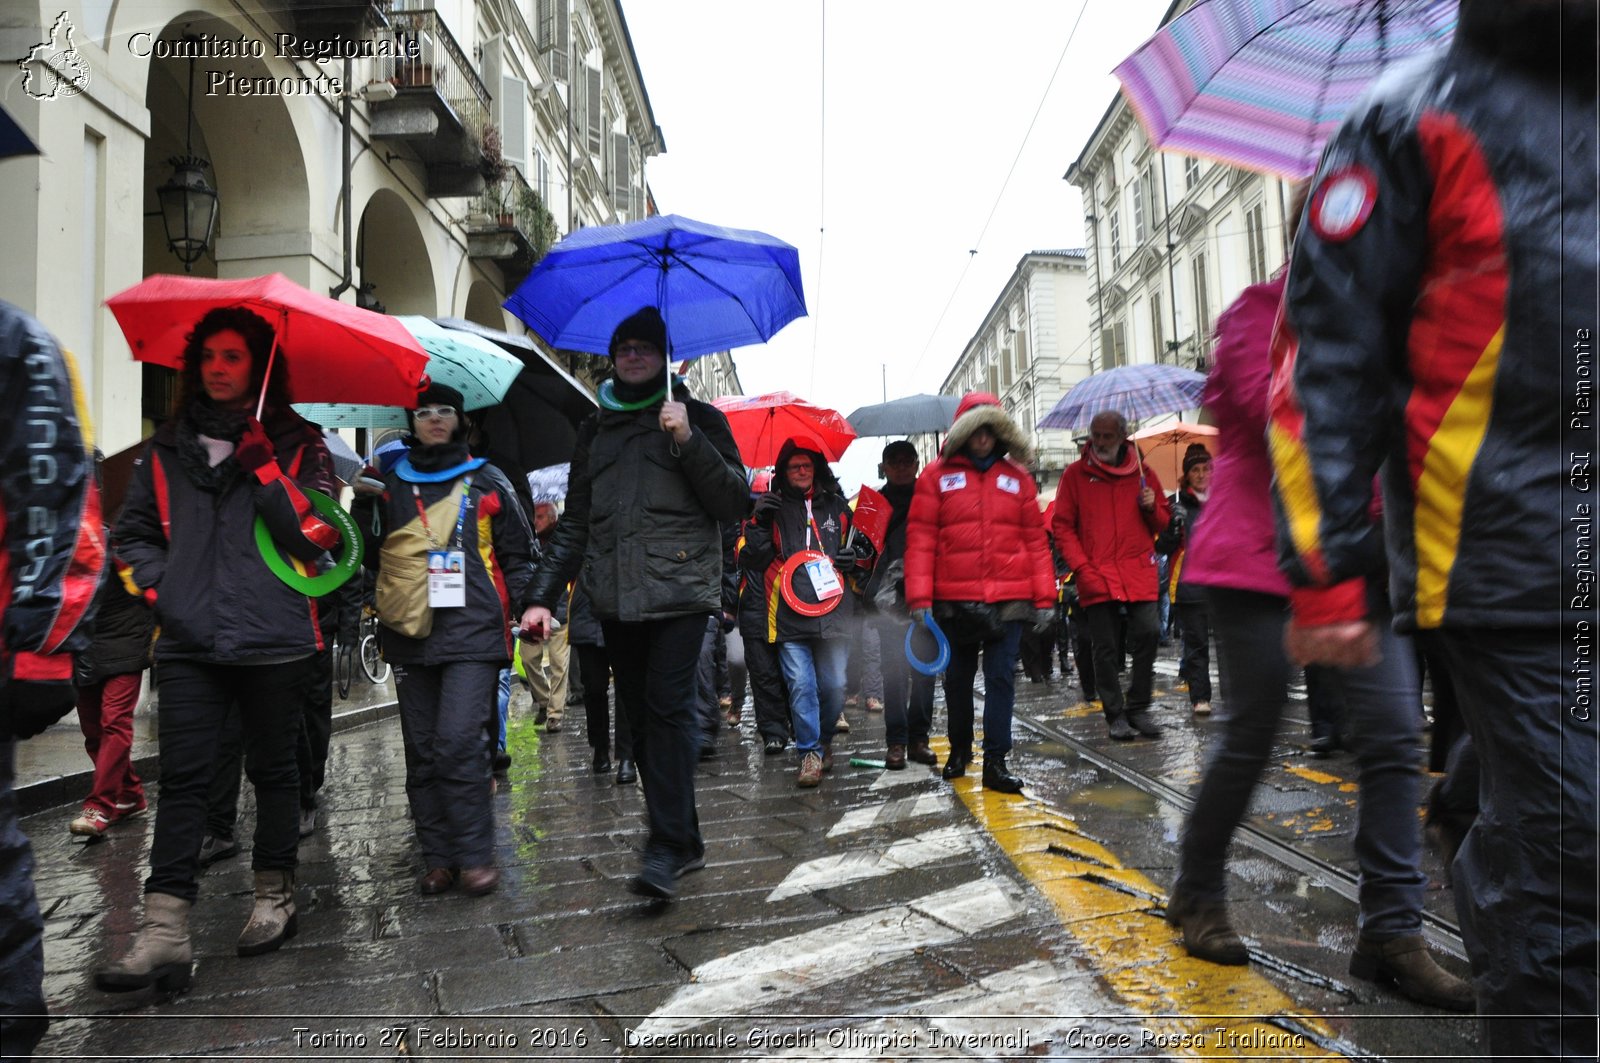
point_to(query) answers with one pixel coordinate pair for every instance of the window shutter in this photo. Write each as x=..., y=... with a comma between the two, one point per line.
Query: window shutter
x=490, y=67
x=513, y=97
x=554, y=35
x=1108, y=348
x=1021, y=340
x=621, y=171
x=636, y=200
x=596, y=98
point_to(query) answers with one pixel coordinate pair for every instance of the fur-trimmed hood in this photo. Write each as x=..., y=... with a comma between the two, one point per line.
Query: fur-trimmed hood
x=979, y=409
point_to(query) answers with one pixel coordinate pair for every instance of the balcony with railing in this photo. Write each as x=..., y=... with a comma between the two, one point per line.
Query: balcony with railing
x=510, y=224
x=440, y=104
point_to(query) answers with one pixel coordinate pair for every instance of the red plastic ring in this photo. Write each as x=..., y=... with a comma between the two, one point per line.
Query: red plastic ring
x=786, y=585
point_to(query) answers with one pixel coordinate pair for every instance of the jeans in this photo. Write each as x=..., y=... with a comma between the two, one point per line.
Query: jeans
x=594, y=668
x=1104, y=623
x=654, y=662
x=1384, y=733
x=999, y=691
x=907, y=694
x=738, y=675
x=1194, y=622
x=1525, y=875
x=814, y=671
x=105, y=715
x=502, y=707
x=442, y=722
x=193, y=706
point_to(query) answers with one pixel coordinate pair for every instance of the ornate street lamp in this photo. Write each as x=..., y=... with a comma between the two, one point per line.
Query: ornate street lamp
x=188, y=202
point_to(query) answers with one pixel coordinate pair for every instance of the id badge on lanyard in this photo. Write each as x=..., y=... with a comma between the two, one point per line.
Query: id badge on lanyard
x=823, y=576
x=447, y=566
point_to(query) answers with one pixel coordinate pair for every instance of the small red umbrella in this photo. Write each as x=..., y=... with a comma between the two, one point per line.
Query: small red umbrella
x=336, y=352
x=761, y=424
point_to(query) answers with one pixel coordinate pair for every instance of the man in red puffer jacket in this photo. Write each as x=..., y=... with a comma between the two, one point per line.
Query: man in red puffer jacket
x=1109, y=509
x=976, y=555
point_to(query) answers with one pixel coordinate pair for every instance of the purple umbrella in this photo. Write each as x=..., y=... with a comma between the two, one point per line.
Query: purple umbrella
x=1262, y=84
x=1135, y=391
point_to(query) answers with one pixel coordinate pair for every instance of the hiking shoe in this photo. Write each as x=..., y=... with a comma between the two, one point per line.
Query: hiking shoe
x=1122, y=730
x=217, y=847
x=810, y=770
x=91, y=822
x=874, y=705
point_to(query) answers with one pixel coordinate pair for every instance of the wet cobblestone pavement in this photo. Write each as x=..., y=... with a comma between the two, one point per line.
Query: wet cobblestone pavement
x=884, y=915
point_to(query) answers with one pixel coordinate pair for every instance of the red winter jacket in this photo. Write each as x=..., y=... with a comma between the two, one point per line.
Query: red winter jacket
x=977, y=536
x=1103, y=535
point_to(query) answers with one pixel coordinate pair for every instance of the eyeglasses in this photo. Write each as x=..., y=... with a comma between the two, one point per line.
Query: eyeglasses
x=429, y=413
x=801, y=466
x=637, y=348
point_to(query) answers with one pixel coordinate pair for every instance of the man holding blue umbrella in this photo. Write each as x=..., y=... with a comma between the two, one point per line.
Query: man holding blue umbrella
x=653, y=476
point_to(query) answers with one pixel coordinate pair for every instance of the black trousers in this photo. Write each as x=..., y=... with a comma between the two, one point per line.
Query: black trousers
x=193, y=708
x=23, y=1017
x=1194, y=623
x=655, y=664
x=594, y=667
x=1140, y=640
x=1525, y=875
x=907, y=693
x=447, y=758
x=767, y=688
x=316, y=727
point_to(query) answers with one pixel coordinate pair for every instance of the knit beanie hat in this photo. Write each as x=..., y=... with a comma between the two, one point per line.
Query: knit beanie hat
x=644, y=324
x=1197, y=454
x=441, y=395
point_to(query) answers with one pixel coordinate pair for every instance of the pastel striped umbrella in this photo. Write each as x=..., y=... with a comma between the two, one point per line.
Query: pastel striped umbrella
x=1262, y=84
x=1135, y=391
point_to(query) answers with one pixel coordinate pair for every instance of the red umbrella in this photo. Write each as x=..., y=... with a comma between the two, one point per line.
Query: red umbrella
x=762, y=423
x=336, y=352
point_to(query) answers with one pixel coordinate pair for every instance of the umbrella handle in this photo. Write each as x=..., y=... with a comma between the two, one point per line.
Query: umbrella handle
x=272, y=355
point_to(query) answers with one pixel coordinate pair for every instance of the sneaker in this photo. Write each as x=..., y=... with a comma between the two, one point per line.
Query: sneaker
x=852, y=701
x=214, y=848
x=1202, y=708
x=1122, y=730
x=774, y=746
x=810, y=770
x=843, y=726
x=874, y=705
x=130, y=809
x=91, y=822
x=694, y=863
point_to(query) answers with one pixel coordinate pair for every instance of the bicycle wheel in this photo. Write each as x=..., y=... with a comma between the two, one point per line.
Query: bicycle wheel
x=344, y=669
x=372, y=661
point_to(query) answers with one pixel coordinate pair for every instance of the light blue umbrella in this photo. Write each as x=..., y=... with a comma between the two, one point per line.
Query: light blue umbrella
x=481, y=370
x=1135, y=391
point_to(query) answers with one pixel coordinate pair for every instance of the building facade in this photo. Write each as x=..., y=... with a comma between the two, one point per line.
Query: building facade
x=1171, y=241
x=1032, y=346
x=423, y=174
x=712, y=376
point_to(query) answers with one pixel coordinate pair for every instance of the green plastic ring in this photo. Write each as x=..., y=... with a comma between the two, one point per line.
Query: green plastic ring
x=344, y=566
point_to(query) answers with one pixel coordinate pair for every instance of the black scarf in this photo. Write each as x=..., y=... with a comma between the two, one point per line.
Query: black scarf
x=434, y=457
x=202, y=417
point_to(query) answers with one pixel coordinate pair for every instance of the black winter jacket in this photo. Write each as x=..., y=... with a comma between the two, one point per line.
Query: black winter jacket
x=499, y=549
x=641, y=529
x=192, y=555
x=121, y=636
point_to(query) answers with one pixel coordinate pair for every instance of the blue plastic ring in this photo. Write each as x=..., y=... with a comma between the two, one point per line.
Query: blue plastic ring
x=941, y=661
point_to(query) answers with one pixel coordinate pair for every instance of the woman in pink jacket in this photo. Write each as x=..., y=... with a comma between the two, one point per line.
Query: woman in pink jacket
x=976, y=555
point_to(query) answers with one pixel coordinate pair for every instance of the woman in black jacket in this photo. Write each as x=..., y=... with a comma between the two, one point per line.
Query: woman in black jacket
x=229, y=628
x=453, y=553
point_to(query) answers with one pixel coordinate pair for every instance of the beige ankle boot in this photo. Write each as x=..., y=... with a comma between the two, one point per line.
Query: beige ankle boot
x=272, y=920
x=1407, y=963
x=160, y=954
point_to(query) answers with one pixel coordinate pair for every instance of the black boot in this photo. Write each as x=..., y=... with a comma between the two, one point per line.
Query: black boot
x=602, y=761
x=997, y=778
x=626, y=772
x=955, y=765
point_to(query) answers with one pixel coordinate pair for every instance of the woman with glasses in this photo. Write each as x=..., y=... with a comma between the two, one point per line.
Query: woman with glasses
x=453, y=554
x=230, y=630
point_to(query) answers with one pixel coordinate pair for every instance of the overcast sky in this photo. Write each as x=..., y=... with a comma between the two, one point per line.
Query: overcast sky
x=876, y=136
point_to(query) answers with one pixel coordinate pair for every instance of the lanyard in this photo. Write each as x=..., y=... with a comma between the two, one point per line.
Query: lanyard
x=461, y=515
x=811, y=526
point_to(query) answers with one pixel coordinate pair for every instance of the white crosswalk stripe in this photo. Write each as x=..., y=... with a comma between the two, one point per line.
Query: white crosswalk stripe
x=895, y=811
x=755, y=979
x=861, y=864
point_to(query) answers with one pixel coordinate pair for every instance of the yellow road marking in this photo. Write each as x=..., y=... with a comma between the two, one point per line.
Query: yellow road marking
x=1321, y=778
x=1205, y=1010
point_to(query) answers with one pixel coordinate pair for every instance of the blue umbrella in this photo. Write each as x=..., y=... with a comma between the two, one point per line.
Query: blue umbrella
x=1135, y=391
x=716, y=288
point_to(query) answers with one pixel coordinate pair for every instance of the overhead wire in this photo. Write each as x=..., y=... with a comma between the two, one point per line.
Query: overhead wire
x=978, y=243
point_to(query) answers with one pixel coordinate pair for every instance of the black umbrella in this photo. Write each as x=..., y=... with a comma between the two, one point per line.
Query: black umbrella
x=906, y=417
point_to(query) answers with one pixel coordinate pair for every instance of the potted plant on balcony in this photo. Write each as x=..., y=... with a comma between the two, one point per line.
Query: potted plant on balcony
x=537, y=222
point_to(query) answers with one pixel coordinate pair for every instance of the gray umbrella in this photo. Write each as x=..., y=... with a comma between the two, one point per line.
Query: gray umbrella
x=905, y=417
x=347, y=464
